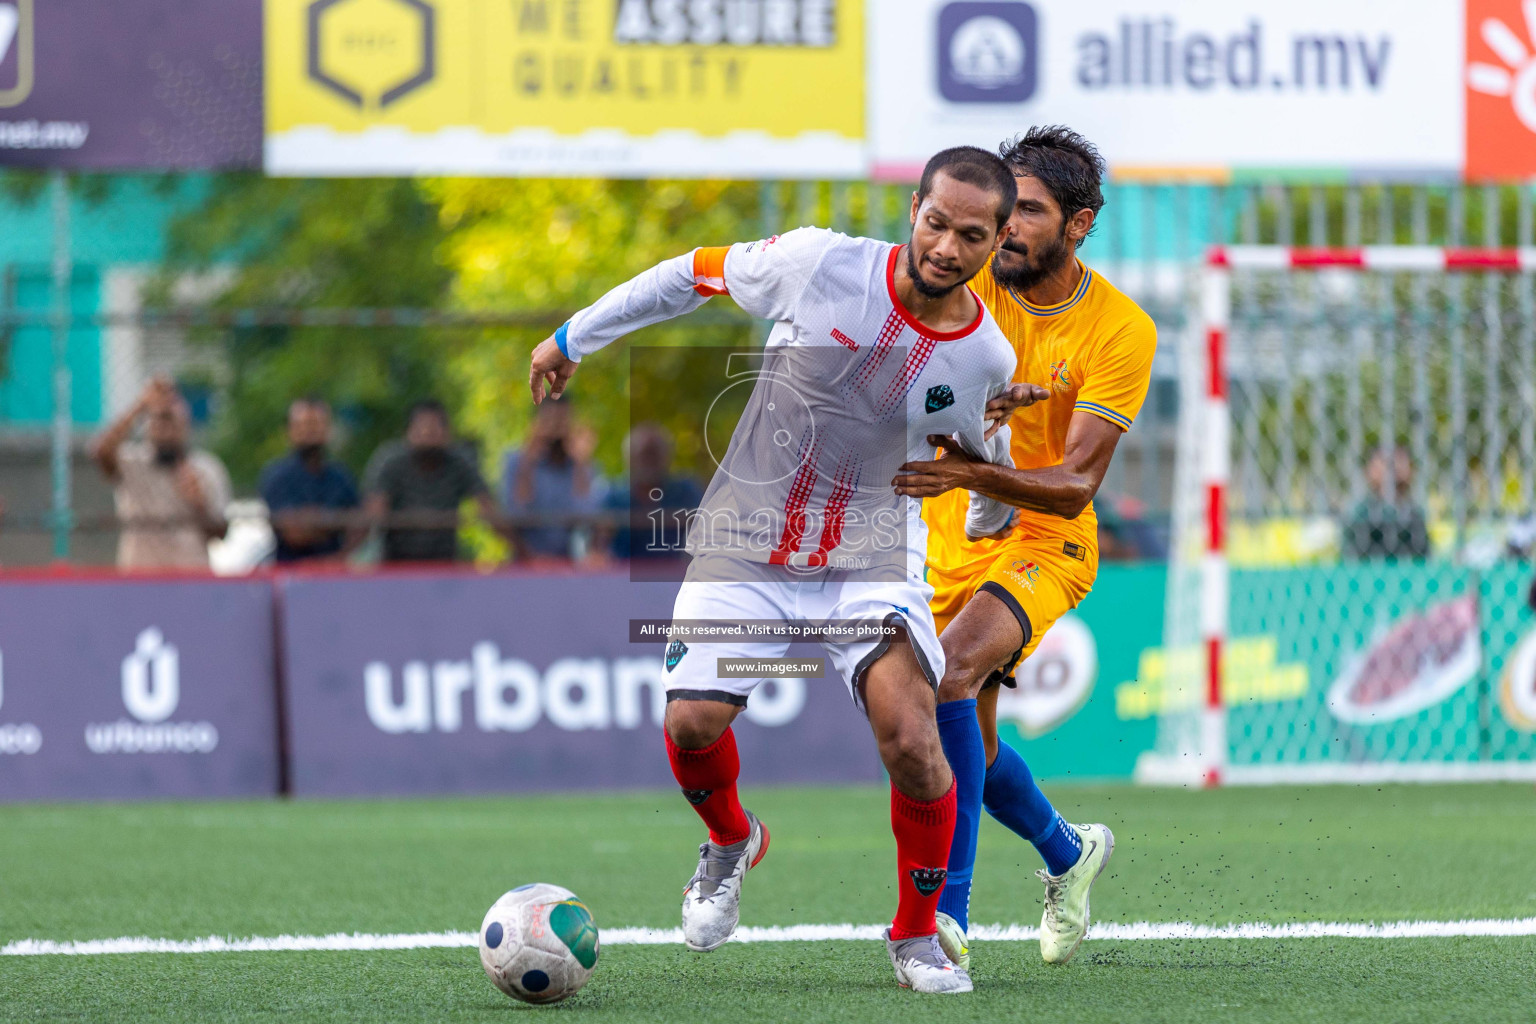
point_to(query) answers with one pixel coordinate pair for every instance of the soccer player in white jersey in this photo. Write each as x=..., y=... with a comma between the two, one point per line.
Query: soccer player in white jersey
x=878, y=341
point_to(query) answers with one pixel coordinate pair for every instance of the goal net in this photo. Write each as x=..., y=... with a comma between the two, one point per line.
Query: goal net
x=1353, y=519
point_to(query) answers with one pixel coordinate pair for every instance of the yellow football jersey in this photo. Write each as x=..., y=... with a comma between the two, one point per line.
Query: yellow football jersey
x=1094, y=352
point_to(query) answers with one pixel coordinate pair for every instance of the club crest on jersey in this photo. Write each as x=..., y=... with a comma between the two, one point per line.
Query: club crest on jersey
x=928, y=880
x=939, y=397
x=675, y=651
x=1026, y=572
x=1061, y=379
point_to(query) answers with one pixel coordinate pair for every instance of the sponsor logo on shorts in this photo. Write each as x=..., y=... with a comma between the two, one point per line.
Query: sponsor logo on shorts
x=928, y=880
x=940, y=396
x=1076, y=551
x=1026, y=572
x=675, y=651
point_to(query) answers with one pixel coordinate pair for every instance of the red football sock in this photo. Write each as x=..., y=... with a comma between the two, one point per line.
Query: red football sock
x=923, y=834
x=708, y=778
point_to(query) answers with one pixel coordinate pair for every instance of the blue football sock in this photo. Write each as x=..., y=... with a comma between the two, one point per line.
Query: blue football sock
x=960, y=733
x=1011, y=796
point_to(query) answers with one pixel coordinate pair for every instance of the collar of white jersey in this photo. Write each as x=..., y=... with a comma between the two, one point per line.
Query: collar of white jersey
x=912, y=321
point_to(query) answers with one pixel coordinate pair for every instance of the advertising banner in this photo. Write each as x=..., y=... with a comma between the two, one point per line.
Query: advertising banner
x=1399, y=663
x=1202, y=86
x=1501, y=89
x=137, y=689
x=765, y=89
x=463, y=683
x=613, y=88
x=173, y=84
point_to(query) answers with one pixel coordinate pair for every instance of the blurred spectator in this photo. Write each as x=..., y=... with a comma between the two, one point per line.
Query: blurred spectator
x=551, y=476
x=170, y=497
x=652, y=497
x=1125, y=534
x=1520, y=538
x=1520, y=542
x=1387, y=524
x=427, y=477
x=306, y=492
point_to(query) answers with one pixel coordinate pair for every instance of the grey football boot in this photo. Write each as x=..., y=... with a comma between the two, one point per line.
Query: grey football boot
x=712, y=900
x=922, y=966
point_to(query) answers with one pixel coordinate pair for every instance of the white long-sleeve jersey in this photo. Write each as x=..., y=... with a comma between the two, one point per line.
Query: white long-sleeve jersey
x=849, y=387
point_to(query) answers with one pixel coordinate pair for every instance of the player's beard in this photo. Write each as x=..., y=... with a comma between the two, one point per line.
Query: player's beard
x=926, y=290
x=1046, y=262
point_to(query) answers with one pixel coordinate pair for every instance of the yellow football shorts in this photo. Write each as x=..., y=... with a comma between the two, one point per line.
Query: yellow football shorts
x=1040, y=580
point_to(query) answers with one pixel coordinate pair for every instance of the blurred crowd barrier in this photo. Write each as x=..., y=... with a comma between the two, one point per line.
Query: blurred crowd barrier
x=415, y=681
x=438, y=680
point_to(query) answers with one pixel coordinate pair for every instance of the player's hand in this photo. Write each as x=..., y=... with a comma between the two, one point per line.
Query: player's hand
x=549, y=366
x=1017, y=396
x=930, y=478
x=188, y=485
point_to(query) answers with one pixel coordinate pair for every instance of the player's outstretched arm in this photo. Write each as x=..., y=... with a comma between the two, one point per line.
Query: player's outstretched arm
x=1063, y=490
x=765, y=278
x=952, y=470
x=663, y=292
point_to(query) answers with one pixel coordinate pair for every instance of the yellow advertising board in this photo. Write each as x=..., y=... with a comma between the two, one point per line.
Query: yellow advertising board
x=627, y=88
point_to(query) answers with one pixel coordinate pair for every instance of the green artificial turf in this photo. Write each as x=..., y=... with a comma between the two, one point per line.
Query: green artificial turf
x=184, y=871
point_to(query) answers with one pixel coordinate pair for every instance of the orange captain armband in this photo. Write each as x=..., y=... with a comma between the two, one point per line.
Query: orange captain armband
x=709, y=270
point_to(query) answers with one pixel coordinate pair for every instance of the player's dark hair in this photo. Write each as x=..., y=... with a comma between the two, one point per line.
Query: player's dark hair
x=1068, y=165
x=974, y=166
x=431, y=407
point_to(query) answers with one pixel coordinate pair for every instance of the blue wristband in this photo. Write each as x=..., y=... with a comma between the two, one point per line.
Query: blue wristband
x=560, y=333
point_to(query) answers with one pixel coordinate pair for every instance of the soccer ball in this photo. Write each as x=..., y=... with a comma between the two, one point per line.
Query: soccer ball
x=538, y=943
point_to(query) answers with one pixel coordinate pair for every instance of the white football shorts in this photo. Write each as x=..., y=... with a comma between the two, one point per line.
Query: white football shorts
x=775, y=594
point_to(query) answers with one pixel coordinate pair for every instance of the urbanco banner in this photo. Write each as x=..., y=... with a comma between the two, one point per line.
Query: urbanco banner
x=458, y=682
x=1198, y=86
x=137, y=689
x=608, y=88
x=152, y=84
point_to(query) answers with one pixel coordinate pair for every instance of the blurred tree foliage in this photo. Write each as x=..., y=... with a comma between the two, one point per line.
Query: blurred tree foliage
x=557, y=245
x=539, y=247
x=272, y=242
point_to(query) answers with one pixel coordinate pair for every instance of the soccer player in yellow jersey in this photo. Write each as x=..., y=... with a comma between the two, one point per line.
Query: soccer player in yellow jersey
x=1084, y=361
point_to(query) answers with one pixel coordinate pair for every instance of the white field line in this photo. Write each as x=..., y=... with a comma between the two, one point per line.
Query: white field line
x=1139, y=931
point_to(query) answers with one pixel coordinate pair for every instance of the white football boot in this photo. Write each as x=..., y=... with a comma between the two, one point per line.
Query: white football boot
x=1065, y=920
x=712, y=900
x=953, y=941
x=922, y=966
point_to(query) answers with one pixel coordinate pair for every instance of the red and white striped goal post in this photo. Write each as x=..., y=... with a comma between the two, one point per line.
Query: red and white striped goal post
x=1216, y=462
x=1370, y=257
